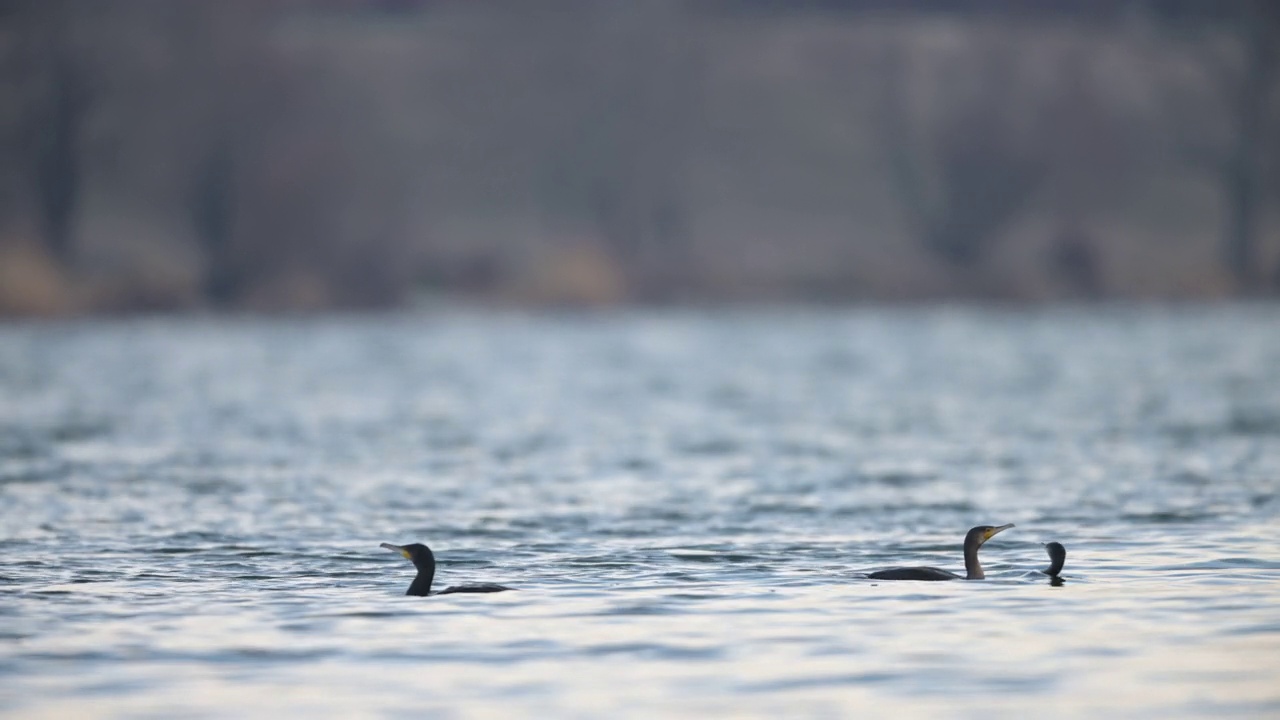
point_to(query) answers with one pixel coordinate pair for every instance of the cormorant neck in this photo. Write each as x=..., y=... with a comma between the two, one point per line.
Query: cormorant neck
x=972, y=567
x=422, y=583
x=425, y=562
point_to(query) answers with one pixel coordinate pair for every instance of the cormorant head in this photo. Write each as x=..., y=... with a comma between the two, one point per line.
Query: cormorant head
x=1057, y=557
x=979, y=535
x=420, y=554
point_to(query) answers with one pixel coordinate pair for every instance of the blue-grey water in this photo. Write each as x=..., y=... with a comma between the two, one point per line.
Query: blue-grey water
x=190, y=513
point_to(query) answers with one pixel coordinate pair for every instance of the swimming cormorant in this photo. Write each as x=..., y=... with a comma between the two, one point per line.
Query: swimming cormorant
x=425, y=561
x=973, y=569
x=1057, y=556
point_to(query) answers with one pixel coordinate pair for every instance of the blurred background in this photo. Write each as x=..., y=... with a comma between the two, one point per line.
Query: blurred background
x=302, y=155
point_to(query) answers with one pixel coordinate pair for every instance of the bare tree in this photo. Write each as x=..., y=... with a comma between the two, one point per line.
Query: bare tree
x=58, y=157
x=50, y=100
x=964, y=170
x=227, y=55
x=620, y=162
x=1237, y=46
x=1243, y=170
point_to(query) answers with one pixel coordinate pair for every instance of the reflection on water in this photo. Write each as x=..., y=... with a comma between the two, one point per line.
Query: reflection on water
x=190, y=514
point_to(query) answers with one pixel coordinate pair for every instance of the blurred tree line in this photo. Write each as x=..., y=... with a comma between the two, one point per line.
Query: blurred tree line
x=309, y=154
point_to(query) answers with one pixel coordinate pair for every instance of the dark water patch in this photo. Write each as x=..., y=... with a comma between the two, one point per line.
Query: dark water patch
x=900, y=479
x=18, y=442
x=1191, y=435
x=664, y=515
x=887, y=510
x=796, y=449
x=361, y=614
x=661, y=651
x=525, y=447
x=640, y=609
x=235, y=655
x=534, y=645
x=1253, y=423
x=246, y=552
x=217, y=487
x=781, y=507
x=1189, y=478
x=31, y=471
x=692, y=596
x=709, y=446
x=679, y=576
x=1266, y=629
x=178, y=575
x=1025, y=683
x=78, y=656
x=78, y=430
x=463, y=657
x=824, y=681
x=1188, y=516
x=637, y=464
x=113, y=687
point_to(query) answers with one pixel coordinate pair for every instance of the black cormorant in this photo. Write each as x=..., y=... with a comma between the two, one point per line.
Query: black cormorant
x=425, y=561
x=1057, y=556
x=973, y=569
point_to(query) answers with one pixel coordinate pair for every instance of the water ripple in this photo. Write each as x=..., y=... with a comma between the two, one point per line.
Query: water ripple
x=190, y=514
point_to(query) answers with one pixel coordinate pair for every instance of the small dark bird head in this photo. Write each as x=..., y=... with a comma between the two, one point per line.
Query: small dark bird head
x=973, y=540
x=981, y=534
x=423, y=560
x=1057, y=557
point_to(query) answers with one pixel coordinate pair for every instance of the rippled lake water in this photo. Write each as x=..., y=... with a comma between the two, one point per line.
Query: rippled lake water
x=190, y=513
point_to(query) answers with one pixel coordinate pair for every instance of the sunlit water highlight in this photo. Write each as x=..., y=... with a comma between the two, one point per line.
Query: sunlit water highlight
x=190, y=514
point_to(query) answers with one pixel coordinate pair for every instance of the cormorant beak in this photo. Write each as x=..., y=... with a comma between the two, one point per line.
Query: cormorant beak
x=397, y=548
x=992, y=532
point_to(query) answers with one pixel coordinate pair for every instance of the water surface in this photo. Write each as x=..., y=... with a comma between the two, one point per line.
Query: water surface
x=190, y=514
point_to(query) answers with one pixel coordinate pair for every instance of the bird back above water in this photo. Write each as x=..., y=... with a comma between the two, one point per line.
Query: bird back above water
x=425, y=561
x=973, y=540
